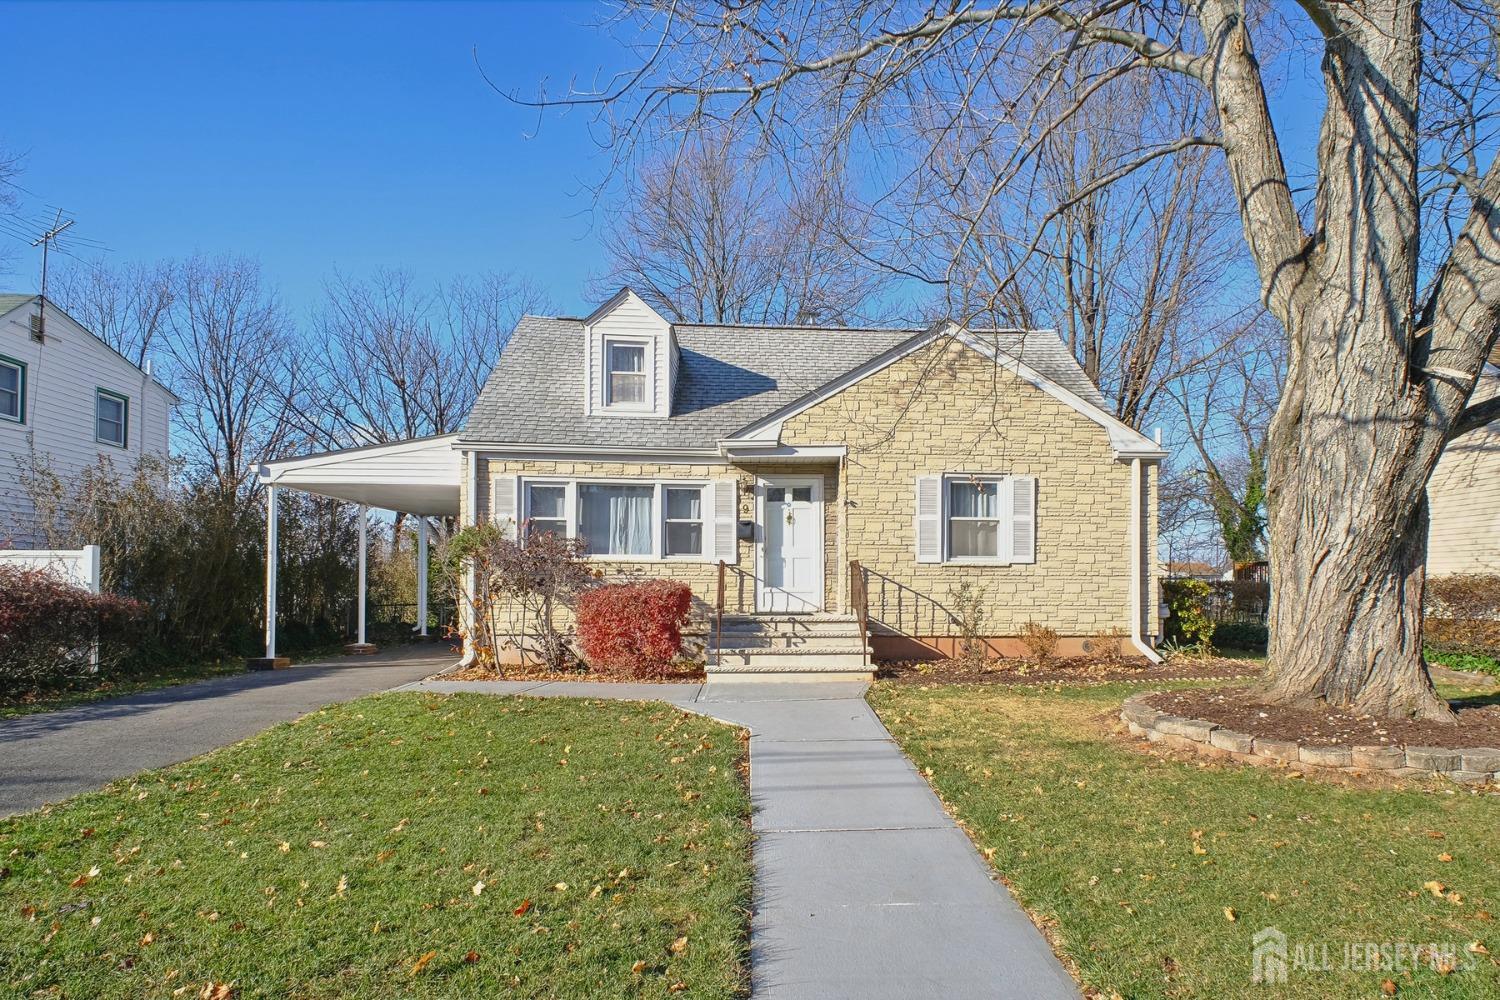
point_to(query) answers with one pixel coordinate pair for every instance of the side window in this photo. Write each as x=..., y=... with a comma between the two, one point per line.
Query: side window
x=12, y=390
x=111, y=418
x=546, y=508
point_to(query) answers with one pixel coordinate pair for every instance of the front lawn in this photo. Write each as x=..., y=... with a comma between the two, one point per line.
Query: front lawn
x=1152, y=875
x=404, y=845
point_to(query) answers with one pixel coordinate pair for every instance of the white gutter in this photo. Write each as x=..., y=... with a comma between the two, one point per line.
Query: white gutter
x=1136, y=567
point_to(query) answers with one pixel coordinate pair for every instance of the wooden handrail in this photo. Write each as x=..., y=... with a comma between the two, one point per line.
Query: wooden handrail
x=859, y=598
x=719, y=615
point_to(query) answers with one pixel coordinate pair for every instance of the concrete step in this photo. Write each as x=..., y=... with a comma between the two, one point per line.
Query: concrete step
x=831, y=639
x=772, y=660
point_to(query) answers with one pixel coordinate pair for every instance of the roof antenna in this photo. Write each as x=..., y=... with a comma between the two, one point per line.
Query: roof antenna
x=45, y=241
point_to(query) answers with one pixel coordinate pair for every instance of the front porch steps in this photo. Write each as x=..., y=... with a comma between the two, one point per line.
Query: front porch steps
x=788, y=647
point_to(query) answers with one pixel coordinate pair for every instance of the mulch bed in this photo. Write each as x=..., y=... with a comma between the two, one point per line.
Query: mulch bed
x=1072, y=670
x=686, y=675
x=1238, y=709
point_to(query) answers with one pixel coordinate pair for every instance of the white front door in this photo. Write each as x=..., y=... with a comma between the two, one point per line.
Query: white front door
x=791, y=544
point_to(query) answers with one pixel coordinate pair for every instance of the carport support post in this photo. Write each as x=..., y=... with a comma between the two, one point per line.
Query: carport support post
x=422, y=576
x=364, y=523
x=270, y=572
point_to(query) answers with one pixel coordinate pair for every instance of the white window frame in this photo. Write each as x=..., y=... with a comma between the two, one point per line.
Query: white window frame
x=658, y=512
x=124, y=401
x=647, y=403
x=567, y=517
x=993, y=479
x=705, y=525
x=19, y=367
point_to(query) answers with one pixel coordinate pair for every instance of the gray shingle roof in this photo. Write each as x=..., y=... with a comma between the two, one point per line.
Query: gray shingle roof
x=729, y=377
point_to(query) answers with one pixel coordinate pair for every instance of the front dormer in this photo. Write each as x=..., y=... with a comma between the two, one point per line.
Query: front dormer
x=630, y=354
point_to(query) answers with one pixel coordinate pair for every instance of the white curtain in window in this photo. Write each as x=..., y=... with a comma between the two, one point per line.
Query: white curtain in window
x=615, y=520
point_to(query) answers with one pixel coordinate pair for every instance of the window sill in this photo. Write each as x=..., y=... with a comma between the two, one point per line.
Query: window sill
x=980, y=561
x=112, y=444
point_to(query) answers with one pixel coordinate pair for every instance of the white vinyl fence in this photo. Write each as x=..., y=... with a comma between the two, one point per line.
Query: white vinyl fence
x=80, y=567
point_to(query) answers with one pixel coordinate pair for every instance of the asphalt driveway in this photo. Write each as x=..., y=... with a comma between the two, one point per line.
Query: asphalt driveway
x=49, y=756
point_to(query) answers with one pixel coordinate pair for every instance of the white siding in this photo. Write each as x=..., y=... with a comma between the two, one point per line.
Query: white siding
x=62, y=376
x=1464, y=495
x=627, y=315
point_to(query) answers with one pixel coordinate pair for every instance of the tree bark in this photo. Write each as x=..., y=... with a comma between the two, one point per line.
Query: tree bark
x=1359, y=430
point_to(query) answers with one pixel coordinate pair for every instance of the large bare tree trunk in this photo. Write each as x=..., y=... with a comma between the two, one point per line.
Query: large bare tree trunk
x=1361, y=424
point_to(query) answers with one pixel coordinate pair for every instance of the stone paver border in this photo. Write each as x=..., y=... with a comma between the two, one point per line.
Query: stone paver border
x=1470, y=766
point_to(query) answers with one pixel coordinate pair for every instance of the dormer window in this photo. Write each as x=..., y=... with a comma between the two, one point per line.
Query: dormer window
x=625, y=374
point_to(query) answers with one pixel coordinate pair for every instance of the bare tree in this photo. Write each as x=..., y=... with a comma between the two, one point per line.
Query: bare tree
x=10, y=168
x=233, y=363
x=126, y=307
x=1226, y=411
x=1389, y=290
x=395, y=360
x=716, y=234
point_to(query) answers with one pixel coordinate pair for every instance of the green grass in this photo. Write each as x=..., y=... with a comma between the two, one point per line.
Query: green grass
x=83, y=690
x=1098, y=841
x=327, y=857
x=1472, y=662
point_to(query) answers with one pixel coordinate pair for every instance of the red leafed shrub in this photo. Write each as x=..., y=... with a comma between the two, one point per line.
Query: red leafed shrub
x=633, y=628
x=48, y=630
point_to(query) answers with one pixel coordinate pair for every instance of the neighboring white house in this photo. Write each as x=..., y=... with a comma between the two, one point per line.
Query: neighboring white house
x=69, y=398
x=1464, y=495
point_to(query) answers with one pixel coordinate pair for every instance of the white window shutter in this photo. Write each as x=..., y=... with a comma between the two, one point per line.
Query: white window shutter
x=929, y=519
x=725, y=512
x=1022, y=515
x=503, y=507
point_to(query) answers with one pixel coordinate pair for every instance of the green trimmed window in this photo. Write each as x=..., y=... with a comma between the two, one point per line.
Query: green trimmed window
x=12, y=390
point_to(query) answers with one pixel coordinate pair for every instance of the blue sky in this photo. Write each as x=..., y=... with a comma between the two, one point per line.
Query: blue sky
x=312, y=136
x=322, y=136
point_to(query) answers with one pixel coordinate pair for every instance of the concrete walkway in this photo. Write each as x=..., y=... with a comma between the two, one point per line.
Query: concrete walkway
x=864, y=888
x=49, y=756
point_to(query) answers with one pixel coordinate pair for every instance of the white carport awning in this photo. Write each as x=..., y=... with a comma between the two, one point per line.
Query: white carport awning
x=418, y=476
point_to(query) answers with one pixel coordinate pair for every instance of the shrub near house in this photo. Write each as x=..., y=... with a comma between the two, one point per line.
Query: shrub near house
x=633, y=628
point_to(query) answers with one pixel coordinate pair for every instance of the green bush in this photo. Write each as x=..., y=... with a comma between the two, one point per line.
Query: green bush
x=1477, y=663
x=1189, y=623
x=1252, y=637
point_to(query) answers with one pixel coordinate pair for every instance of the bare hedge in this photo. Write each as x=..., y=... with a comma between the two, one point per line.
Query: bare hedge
x=50, y=630
x=1463, y=614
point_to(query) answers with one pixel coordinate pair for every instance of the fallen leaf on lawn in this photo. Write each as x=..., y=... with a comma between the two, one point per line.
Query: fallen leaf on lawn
x=1230, y=915
x=400, y=826
x=677, y=987
x=471, y=957
x=1478, y=948
x=147, y=938
x=521, y=910
x=679, y=946
x=384, y=856
x=216, y=991
x=284, y=847
x=343, y=885
x=1445, y=857
x=1435, y=834
x=421, y=963
x=1388, y=988
x=561, y=887
x=1484, y=915
x=85, y=878
x=1435, y=887
x=637, y=966
x=318, y=843
x=1455, y=898
x=478, y=887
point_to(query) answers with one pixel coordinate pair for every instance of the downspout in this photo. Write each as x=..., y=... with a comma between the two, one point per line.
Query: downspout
x=1136, y=566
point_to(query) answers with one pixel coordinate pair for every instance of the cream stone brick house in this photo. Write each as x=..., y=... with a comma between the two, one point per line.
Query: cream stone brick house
x=835, y=486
